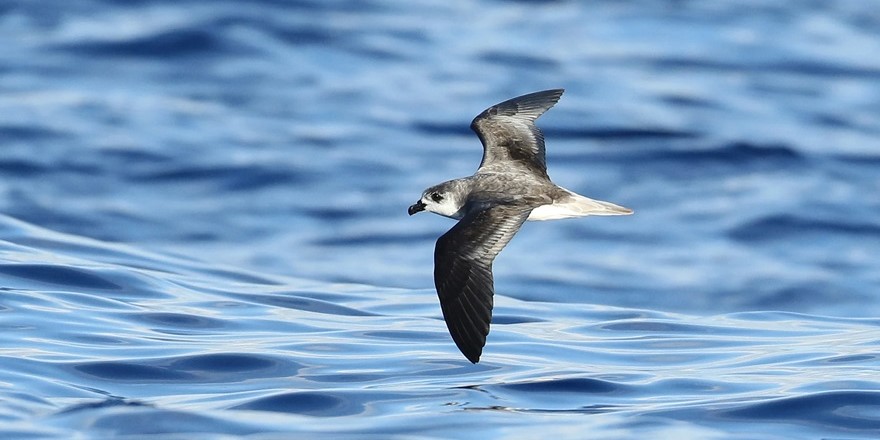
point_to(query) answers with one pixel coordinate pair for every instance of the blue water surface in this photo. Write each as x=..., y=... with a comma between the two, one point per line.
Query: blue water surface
x=203, y=229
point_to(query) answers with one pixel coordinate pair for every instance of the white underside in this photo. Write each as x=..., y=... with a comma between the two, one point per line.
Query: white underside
x=578, y=206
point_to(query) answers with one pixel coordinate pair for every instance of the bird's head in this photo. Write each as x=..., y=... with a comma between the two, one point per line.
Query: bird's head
x=446, y=199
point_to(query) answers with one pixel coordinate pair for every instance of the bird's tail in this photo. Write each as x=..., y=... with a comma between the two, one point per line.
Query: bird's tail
x=577, y=205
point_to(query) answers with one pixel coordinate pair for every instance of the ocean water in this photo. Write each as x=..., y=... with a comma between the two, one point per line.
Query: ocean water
x=203, y=228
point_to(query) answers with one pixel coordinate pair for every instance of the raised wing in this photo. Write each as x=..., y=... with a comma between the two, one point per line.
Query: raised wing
x=463, y=272
x=509, y=135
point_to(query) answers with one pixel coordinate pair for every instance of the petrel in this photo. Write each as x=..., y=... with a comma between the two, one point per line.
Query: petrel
x=510, y=186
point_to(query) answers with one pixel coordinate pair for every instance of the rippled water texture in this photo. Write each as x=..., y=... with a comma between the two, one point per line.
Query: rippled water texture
x=203, y=227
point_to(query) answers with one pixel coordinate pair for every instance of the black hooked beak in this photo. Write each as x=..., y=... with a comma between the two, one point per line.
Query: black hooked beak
x=416, y=207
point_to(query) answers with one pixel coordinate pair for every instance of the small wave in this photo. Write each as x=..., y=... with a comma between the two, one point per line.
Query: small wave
x=230, y=178
x=786, y=226
x=182, y=43
x=736, y=153
x=519, y=60
x=569, y=385
x=224, y=367
x=847, y=410
x=27, y=133
x=320, y=404
x=59, y=275
x=21, y=168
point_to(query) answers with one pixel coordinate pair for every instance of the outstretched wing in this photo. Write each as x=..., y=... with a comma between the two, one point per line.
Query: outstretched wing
x=509, y=135
x=463, y=272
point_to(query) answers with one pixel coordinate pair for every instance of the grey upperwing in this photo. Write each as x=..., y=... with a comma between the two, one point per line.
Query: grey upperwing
x=509, y=135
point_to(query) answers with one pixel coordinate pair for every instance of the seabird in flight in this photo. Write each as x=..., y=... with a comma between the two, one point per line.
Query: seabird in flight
x=510, y=186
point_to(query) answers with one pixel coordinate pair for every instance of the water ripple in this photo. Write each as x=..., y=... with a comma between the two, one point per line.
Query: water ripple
x=59, y=275
x=185, y=184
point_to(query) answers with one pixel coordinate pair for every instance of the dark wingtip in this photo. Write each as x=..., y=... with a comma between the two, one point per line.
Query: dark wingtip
x=473, y=355
x=540, y=101
x=470, y=348
x=469, y=339
x=532, y=105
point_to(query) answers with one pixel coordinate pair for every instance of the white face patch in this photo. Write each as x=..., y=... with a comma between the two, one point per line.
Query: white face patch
x=446, y=206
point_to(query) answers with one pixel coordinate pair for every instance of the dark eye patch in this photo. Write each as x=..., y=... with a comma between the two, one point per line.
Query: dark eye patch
x=436, y=197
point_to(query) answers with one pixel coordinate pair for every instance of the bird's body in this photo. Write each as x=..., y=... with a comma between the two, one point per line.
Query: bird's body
x=510, y=186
